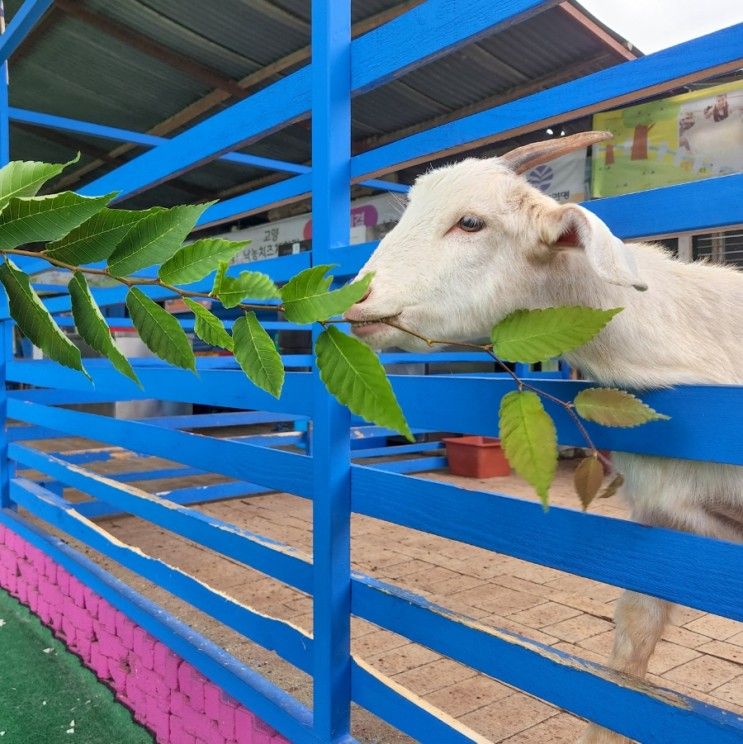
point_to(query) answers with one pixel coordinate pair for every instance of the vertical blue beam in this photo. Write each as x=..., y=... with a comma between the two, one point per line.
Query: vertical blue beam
x=6, y=326
x=331, y=204
x=4, y=110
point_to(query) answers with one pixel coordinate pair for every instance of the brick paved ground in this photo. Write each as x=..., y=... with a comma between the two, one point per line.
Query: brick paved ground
x=700, y=654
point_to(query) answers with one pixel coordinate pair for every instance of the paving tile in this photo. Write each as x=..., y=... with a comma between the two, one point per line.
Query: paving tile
x=377, y=642
x=719, y=628
x=508, y=623
x=457, y=583
x=406, y=566
x=498, y=599
x=666, y=656
x=434, y=676
x=705, y=673
x=576, y=629
x=724, y=650
x=537, y=574
x=469, y=694
x=684, y=637
x=585, y=587
x=681, y=615
x=544, y=614
x=509, y=716
x=737, y=639
x=426, y=579
x=580, y=651
x=731, y=692
x=402, y=659
x=560, y=729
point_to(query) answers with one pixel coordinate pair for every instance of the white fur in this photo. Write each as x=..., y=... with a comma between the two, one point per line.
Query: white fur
x=445, y=283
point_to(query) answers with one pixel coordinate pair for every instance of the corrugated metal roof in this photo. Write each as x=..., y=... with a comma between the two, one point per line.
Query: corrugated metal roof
x=73, y=66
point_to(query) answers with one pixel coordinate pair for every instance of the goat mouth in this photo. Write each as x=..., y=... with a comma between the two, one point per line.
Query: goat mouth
x=373, y=321
x=373, y=325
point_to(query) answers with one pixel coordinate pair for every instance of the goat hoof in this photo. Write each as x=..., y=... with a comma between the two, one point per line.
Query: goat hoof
x=599, y=735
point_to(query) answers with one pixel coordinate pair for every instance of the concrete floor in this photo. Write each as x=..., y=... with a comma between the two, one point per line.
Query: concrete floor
x=700, y=655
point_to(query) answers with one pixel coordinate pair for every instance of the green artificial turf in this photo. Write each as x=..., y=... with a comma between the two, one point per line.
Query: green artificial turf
x=46, y=694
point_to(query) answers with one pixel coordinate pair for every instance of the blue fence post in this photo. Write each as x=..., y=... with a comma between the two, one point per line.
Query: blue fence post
x=331, y=204
x=6, y=326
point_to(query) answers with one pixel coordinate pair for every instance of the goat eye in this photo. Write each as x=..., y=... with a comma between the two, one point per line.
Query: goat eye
x=471, y=223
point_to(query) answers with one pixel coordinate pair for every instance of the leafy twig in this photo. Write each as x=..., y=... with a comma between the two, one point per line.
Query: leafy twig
x=133, y=281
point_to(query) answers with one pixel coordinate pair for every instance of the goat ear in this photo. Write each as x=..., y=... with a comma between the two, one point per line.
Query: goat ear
x=573, y=227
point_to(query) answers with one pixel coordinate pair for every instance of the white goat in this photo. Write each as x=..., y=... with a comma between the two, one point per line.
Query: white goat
x=476, y=242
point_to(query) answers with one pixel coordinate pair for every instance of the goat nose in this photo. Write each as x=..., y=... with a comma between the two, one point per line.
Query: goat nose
x=365, y=297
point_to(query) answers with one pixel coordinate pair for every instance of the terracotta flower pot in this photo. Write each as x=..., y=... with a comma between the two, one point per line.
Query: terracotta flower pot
x=476, y=457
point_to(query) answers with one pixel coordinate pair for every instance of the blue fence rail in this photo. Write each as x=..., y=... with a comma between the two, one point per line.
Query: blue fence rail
x=339, y=478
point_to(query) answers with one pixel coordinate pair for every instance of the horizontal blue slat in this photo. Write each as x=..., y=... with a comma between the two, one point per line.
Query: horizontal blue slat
x=402, y=712
x=699, y=206
x=664, y=70
x=183, y=496
x=266, y=700
x=243, y=205
x=272, y=634
x=577, y=685
x=284, y=471
x=220, y=387
x=698, y=414
x=649, y=560
x=246, y=547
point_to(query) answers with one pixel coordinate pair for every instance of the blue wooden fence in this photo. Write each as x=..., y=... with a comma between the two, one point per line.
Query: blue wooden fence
x=705, y=425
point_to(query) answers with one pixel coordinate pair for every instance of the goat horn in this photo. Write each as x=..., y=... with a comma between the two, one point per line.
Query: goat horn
x=527, y=157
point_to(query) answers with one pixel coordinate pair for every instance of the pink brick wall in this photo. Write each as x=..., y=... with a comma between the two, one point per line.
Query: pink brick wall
x=164, y=693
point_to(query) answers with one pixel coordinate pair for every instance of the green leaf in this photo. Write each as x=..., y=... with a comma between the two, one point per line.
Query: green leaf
x=208, y=327
x=536, y=335
x=231, y=291
x=353, y=374
x=197, y=260
x=587, y=480
x=97, y=238
x=93, y=328
x=26, y=177
x=34, y=320
x=154, y=239
x=160, y=331
x=306, y=297
x=257, y=355
x=529, y=439
x=44, y=218
x=612, y=407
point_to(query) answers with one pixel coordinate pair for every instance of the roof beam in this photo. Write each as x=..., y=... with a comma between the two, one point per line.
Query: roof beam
x=247, y=84
x=657, y=73
x=98, y=152
x=361, y=145
x=35, y=35
x=131, y=37
x=41, y=121
x=26, y=17
x=710, y=55
x=580, y=16
x=424, y=33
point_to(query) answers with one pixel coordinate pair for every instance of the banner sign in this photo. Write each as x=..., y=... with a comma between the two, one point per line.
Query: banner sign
x=684, y=138
x=266, y=239
x=564, y=179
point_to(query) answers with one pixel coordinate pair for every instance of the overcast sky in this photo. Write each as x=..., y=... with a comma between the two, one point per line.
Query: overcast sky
x=656, y=24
